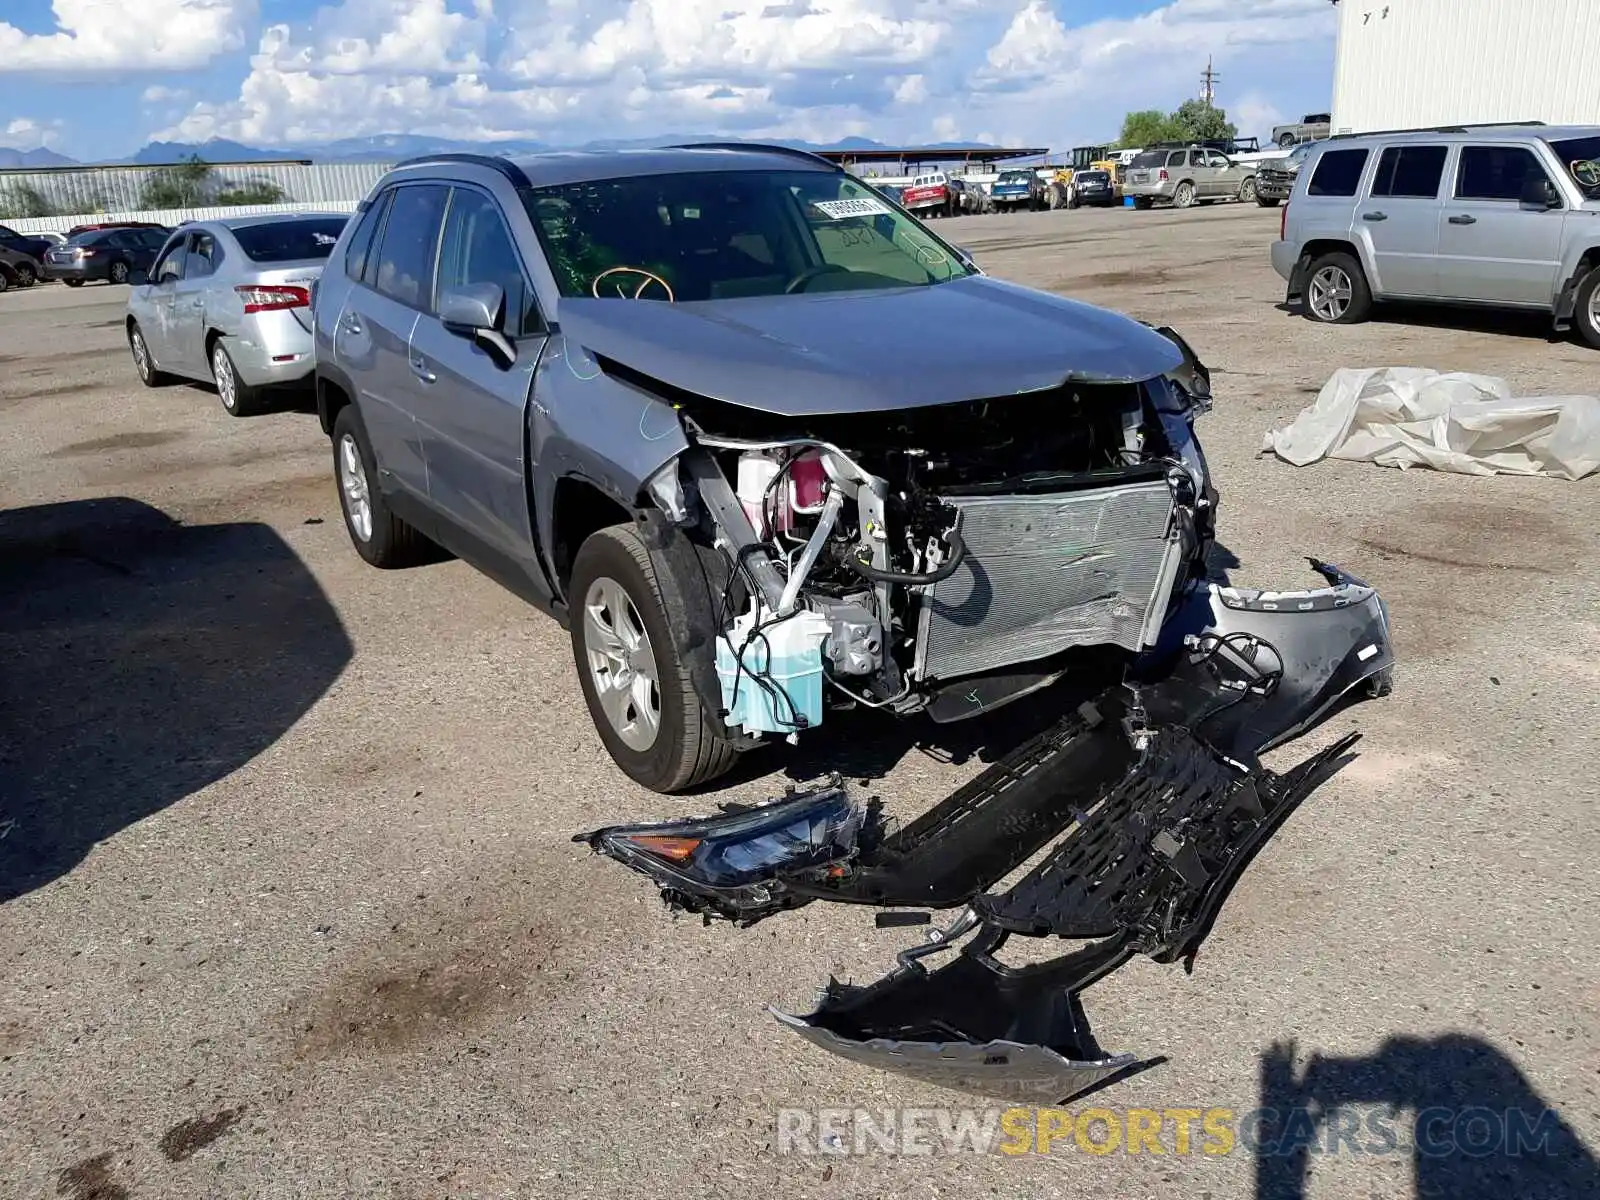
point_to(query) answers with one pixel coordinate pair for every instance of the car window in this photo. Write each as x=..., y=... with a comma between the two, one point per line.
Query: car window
x=410, y=237
x=152, y=239
x=1581, y=158
x=169, y=267
x=200, y=259
x=1216, y=159
x=716, y=235
x=1410, y=172
x=477, y=248
x=1338, y=173
x=1150, y=158
x=358, y=254
x=1496, y=172
x=1177, y=158
x=302, y=240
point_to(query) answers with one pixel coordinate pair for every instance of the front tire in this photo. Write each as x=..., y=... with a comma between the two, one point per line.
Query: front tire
x=119, y=272
x=143, y=362
x=1286, y=142
x=1247, y=190
x=26, y=275
x=380, y=537
x=1587, y=314
x=635, y=680
x=1336, y=291
x=73, y=282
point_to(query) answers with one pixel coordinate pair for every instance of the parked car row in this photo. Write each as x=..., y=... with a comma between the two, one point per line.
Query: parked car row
x=108, y=251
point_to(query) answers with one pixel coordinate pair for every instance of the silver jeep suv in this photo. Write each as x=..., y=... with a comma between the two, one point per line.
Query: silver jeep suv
x=1502, y=215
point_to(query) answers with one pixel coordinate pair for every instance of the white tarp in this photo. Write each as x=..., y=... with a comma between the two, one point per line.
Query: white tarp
x=1411, y=417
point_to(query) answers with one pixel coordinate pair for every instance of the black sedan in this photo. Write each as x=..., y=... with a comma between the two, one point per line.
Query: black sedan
x=22, y=243
x=109, y=254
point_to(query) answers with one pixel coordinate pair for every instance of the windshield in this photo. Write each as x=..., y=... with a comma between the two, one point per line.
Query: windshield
x=1299, y=153
x=1581, y=157
x=289, y=241
x=717, y=235
x=1150, y=158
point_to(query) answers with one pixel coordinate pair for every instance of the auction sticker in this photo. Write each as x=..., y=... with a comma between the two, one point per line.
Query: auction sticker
x=838, y=210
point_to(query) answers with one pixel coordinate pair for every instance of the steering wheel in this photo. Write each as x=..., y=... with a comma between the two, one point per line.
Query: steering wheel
x=648, y=277
x=797, y=284
x=1587, y=172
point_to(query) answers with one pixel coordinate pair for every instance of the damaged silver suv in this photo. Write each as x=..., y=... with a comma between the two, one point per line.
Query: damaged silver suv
x=773, y=452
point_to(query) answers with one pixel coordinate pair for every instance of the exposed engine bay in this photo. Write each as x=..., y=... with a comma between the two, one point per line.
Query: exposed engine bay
x=952, y=559
x=949, y=558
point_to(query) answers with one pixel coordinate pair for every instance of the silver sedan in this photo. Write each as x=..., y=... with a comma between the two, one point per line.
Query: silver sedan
x=229, y=302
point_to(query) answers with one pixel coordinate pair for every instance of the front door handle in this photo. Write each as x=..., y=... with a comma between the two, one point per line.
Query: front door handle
x=419, y=368
x=1375, y=216
x=1463, y=219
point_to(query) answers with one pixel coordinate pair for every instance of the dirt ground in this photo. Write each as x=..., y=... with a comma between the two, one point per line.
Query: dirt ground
x=290, y=906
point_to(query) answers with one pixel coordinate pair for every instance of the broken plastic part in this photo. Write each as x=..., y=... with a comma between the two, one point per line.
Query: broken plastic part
x=666, y=489
x=1156, y=802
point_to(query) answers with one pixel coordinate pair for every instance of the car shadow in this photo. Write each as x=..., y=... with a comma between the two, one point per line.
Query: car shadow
x=144, y=660
x=1510, y=322
x=1468, y=1120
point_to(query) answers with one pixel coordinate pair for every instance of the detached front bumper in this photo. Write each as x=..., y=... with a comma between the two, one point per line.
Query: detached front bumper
x=1149, y=803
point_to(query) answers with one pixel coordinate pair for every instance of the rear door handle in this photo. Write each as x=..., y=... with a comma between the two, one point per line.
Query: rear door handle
x=419, y=368
x=1463, y=219
x=351, y=323
x=1375, y=216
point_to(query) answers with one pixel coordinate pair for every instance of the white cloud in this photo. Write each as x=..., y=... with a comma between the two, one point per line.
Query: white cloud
x=25, y=133
x=105, y=36
x=567, y=71
x=161, y=94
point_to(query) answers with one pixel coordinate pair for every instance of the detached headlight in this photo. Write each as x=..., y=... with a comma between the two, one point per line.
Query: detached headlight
x=733, y=864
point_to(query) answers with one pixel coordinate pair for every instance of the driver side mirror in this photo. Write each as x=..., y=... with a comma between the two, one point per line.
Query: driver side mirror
x=477, y=312
x=1539, y=192
x=966, y=258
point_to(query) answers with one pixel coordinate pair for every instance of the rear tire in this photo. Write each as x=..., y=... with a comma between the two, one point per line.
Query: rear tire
x=380, y=537
x=1587, y=315
x=26, y=275
x=73, y=282
x=238, y=398
x=611, y=649
x=1183, y=196
x=1264, y=202
x=119, y=272
x=1142, y=203
x=5, y=281
x=1336, y=291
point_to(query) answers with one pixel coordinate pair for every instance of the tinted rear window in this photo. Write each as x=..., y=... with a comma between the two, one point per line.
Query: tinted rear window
x=1338, y=173
x=289, y=241
x=1150, y=158
x=1410, y=171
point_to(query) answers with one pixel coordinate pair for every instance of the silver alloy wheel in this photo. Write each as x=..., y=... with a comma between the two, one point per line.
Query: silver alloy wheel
x=119, y=272
x=222, y=372
x=141, y=355
x=622, y=664
x=1184, y=196
x=1594, y=309
x=1247, y=190
x=1329, y=293
x=353, y=489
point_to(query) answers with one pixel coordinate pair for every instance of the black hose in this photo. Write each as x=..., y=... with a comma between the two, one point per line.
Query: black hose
x=958, y=551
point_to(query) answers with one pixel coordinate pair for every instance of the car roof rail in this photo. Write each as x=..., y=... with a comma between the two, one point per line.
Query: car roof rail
x=492, y=162
x=1464, y=128
x=760, y=148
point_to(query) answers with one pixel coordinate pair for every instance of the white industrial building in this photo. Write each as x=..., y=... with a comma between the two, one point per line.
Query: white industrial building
x=1406, y=64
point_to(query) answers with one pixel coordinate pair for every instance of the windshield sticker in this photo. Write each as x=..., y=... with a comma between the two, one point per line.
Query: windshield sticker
x=840, y=210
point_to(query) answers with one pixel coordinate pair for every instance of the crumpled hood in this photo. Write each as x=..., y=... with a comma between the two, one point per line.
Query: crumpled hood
x=870, y=351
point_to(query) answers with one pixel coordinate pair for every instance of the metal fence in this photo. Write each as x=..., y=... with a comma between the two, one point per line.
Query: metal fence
x=107, y=191
x=173, y=216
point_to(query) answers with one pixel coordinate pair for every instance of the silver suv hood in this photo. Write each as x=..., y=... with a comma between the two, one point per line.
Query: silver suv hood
x=870, y=351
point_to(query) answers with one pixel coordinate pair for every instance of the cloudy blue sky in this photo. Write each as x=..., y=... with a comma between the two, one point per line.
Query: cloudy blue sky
x=98, y=78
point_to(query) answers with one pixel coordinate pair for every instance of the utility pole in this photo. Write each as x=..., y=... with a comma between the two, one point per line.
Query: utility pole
x=1208, y=84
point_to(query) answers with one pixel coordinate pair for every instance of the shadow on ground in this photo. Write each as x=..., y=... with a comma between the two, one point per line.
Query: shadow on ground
x=143, y=660
x=1470, y=1123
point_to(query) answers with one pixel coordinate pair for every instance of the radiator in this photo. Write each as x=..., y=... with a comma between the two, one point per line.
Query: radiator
x=1045, y=573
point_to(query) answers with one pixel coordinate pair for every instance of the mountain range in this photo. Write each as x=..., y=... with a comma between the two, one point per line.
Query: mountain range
x=393, y=146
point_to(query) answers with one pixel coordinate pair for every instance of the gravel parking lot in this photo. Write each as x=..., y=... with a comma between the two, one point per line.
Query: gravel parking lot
x=290, y=909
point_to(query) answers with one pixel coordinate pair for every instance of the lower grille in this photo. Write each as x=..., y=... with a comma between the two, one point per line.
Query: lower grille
x=1043, y=574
